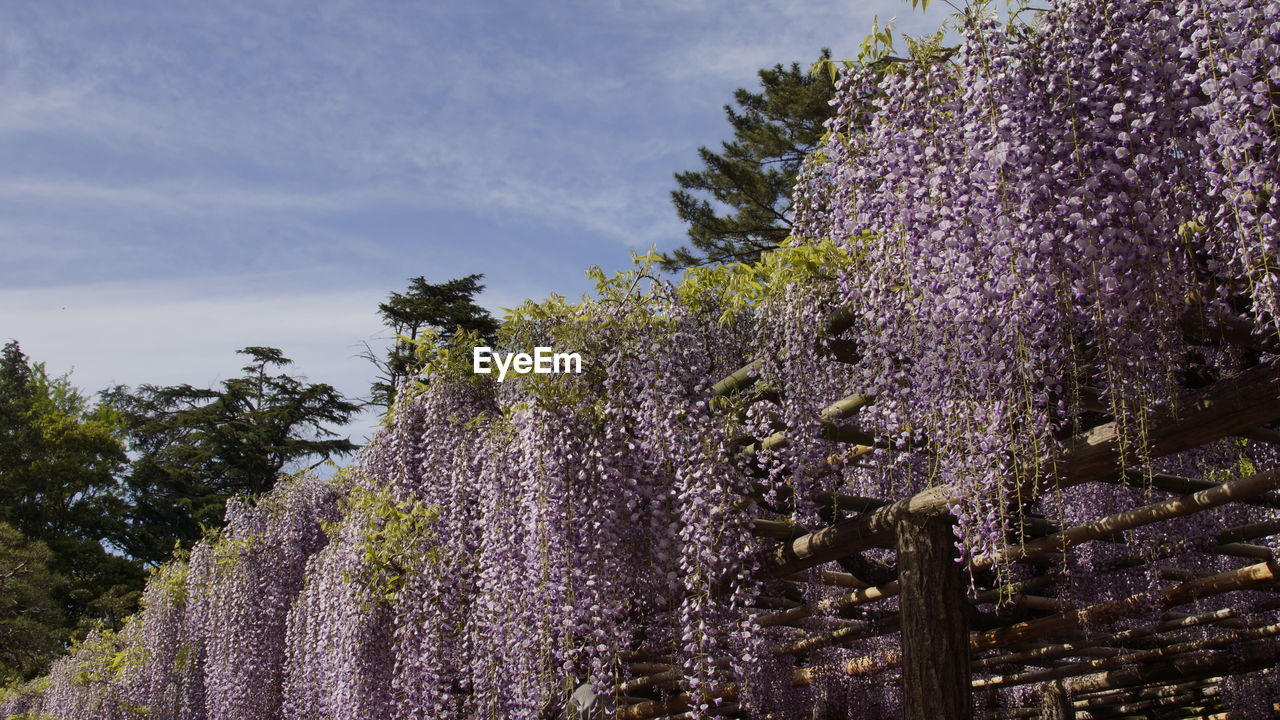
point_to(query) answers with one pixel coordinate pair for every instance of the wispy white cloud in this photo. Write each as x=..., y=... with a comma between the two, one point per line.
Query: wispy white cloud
x=155, y=152
x=178, y=196
x=768, y=33
x=342, y=107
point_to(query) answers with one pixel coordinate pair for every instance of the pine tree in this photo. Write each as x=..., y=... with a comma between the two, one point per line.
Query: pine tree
x=739, y=204
x=198, y=447
x=444, y=308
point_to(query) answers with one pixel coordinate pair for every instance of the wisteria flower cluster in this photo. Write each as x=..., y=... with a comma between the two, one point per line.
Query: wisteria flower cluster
x=1046, y=225
x=1038, y=216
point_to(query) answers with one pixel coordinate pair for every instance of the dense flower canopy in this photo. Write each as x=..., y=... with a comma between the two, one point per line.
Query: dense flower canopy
x=1055, y=220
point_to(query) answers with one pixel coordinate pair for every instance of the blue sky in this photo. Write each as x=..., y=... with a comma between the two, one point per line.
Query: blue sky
x=184, y=179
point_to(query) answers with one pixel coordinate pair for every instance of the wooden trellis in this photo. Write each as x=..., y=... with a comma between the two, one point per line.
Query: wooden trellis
x=1049, y=643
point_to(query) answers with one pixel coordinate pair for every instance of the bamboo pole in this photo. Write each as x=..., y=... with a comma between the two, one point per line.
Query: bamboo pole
x=831, y=430
x=873, y=628
x=1252, y=576
x=744, y=377
x=831, y=577
x=658, y=679
x=844, y=407
x=1241, y=659
x=1247, y=400
x=741, y=379
x=1144, y=656
x=1182, y=486
x=1105, y=527
x=890, y=623
x=1267, y=528
x=1141, y=707
x=1112, y=524
x=1129, y=705
x=857, y=597
x=1202, y=416
x=1246, y=578
x=673, y=705
x=1112, y=696
x=1053, y=652
x=835, y=501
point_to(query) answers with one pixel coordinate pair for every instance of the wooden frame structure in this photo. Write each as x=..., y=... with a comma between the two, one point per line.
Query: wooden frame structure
x=1049, y=643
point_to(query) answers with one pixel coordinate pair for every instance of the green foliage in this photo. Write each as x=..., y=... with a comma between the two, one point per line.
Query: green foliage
x=59, y=461
x=630, y=303
x=396, y=538
x=198, y=447
x=624, y=304
x=427, y=314
x=738, y=287
x=171, y=577
x=101, y=657
x=751, y=178
x=32, y=625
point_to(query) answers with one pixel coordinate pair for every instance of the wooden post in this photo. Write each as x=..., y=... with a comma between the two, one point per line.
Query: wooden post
x=935, y=621
x=1054, y=702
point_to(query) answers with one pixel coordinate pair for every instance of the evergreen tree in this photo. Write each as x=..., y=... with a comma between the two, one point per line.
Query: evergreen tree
x=739, y=204
x=444, y=308
x=198, y=447
x=59, y=465
x=32, y=624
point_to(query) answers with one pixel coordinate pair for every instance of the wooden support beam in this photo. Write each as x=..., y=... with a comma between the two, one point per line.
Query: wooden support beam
x=1183, y=486
x=1112, y=524
x=842, y=319
x=1071, y=623
x=776, y=529
x=1243, y=401
x=845, y=351
x=935, y=621
x=1262, y=434
x=1254, y=531
x=1243, y=658
x=1143, y=656
x=1053, y=652
x=740, y=380
x=855, y=503
x=1054, y=703
x=1200, y=328
x=1246, y=578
